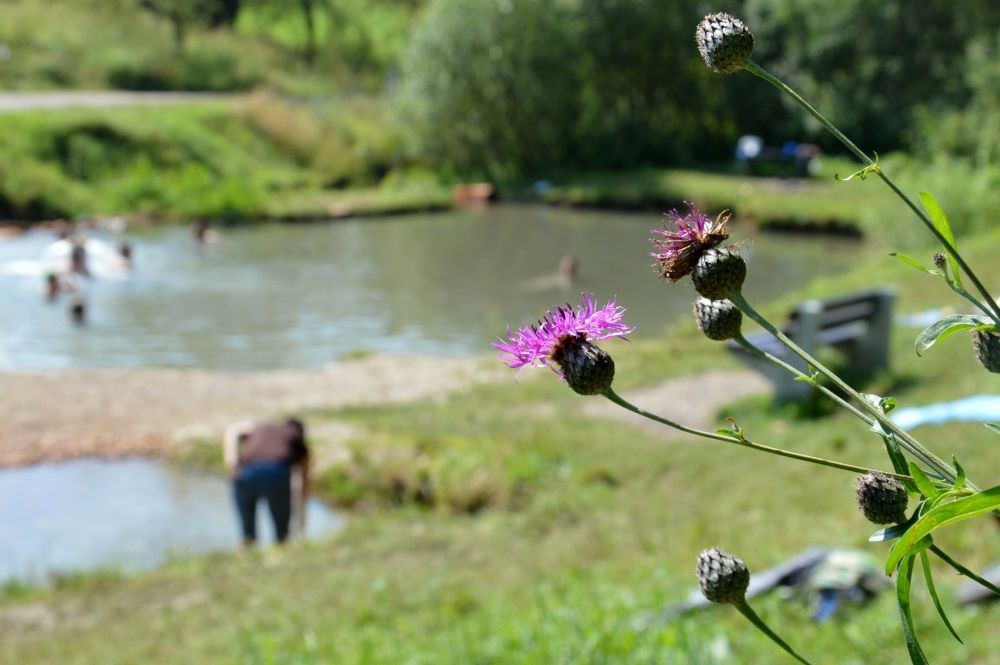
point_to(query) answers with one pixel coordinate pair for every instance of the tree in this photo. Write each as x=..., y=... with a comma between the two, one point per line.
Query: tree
x=181, y=14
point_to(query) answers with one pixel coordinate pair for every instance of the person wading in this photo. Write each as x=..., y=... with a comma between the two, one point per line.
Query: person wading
x=260, y=458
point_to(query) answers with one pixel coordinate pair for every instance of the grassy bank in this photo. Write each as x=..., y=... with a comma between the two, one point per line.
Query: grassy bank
x=551, y=534
x=817, y=204
x=262, y=157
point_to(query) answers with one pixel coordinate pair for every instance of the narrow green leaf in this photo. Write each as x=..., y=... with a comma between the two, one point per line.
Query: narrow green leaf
x=913, y=262
x=959, y=473
x=724, y=431
x=903, y=580
x=926, y=564
x=894, y=531
x=948, y=326
x=944, y=228
x=924, y=483
x=993, y=426
x=898, y=461
x=938, y=517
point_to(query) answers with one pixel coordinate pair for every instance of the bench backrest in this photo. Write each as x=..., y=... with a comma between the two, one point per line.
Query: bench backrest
x=845, y=309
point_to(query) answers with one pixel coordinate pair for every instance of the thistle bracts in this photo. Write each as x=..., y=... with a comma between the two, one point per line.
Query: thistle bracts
x=725, y=42
x=718, y=319
x=987, y=346
x=722, y=576
x=587, y=369
x=719, y=272
x=881, y=498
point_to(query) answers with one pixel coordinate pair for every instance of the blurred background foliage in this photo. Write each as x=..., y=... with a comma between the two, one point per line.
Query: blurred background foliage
x=353, y=92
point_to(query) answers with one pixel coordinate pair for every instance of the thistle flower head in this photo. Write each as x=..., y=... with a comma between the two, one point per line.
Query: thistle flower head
x=564, y=335
x=986, y=343
x=677, y=249
x=724, y=42
x=723, y=577
x=881, y=498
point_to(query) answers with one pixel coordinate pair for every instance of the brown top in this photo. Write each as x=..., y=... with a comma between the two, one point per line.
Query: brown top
x=268, y=442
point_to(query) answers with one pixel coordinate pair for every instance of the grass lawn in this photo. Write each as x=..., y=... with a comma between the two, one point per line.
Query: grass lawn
x=551, y=533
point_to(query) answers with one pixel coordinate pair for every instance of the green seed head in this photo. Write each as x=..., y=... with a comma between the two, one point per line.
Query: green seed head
x=723, y=577
x=588, y=369
x=718, y=319
x=987, y=346
x=719, y=272
x=881, y=498
x=725, y=42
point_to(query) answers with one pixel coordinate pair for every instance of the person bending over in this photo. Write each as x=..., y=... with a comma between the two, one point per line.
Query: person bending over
x=260, y=458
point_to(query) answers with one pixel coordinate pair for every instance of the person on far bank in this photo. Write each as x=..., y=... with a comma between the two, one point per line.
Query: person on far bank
x=262, y=458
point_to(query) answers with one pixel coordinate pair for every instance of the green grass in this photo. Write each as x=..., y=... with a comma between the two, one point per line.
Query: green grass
x=820, y=203
x=259, y=158
x=587, y=525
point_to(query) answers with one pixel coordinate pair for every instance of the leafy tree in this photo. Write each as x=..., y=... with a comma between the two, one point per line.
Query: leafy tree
x=181, y=14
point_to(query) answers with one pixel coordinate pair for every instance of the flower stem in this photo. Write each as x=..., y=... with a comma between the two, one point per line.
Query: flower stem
x=747, y=611
x=906, y=440
x=739, y=441
x=962, y=570
x=757, y=70
x=742, y=341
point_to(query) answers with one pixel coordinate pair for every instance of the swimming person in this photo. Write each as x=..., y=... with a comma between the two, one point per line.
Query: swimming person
x=260, y=458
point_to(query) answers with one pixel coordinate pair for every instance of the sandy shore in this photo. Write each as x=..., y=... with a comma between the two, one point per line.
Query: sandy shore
x=109, y=414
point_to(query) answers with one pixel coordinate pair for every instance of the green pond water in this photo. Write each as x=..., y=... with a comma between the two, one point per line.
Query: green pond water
x=299, y=296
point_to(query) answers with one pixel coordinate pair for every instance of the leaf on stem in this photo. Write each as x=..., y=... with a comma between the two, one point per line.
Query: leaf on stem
x=940, y=516
x=993, y=426
x=924, y=483
x=948, y=326
x=862, y=173
x=944, y=228
x=916, y=264
x=960, y=473
x=903, y=581
x=928, y=576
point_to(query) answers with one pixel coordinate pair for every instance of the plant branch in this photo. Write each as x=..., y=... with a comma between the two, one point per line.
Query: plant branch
x=759, y=71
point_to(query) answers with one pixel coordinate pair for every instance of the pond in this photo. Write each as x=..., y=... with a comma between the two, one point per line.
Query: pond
x=298, y=296
x=122, y=515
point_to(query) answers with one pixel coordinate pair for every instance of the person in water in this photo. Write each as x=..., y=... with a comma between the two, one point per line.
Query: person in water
x=261, y=458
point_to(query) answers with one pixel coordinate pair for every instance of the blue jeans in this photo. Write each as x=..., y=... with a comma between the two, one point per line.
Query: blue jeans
x=264, y=480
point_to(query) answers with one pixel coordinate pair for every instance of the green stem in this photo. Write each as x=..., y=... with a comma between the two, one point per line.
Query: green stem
x=742, y=341
x=962, y=570
x=906, y=440
x=758, y=623
x=746, y=443
x=757, y=70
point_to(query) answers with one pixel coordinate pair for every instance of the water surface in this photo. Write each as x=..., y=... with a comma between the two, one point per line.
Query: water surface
x=274, y=296
x=121, y=515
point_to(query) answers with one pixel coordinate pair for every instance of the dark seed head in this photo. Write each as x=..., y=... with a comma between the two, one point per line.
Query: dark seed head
x=724, y=41
x=987, y=346
x=719, y=272
x=587, y=369
x=723, y=577
x=881, y=498
x=718, y=319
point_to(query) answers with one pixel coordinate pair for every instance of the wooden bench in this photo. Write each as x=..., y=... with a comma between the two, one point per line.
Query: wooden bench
x=857, y=324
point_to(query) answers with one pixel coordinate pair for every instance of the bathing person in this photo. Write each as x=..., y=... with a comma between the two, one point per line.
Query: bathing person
x=260, y=458
x=78, y=258
x=125, y=252
x=53, y=285
x=78, y=309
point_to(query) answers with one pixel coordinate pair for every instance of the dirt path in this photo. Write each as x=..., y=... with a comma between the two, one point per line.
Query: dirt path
x=62, y=415
x=14, y=102
x=109, y=414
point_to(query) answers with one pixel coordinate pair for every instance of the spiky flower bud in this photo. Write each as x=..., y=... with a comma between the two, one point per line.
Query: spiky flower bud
x=881, y=498
x=939, y=260
x=718, y=319
x=987, y=346
x=724, y=41
x=719, y=272
x=588, y=369
x=723, y=577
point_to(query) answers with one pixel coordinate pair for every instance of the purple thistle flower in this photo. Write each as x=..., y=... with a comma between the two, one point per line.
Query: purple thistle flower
x=677, y=250
x=536, y=344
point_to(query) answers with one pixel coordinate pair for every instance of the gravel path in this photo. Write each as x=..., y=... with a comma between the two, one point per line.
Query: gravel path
x=57, y=416
x=14, y=102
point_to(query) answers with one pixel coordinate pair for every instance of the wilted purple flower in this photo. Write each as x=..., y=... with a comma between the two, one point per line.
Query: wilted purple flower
x=537, y=344
x=677, y=251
